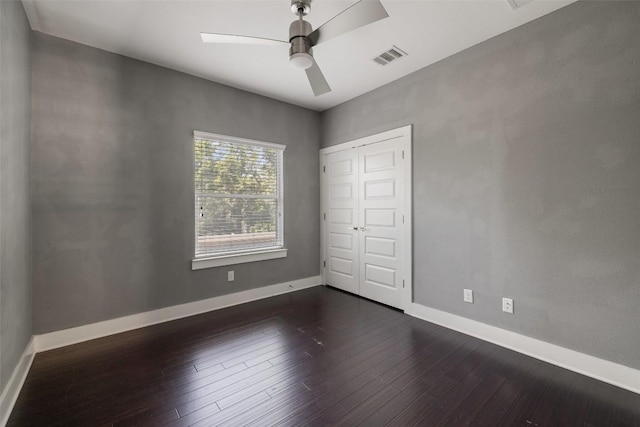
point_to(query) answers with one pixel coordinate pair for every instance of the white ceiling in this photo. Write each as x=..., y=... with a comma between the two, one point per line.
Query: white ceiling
x=167, y=33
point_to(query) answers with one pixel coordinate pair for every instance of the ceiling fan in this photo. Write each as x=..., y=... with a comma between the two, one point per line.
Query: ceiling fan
x=302, y=38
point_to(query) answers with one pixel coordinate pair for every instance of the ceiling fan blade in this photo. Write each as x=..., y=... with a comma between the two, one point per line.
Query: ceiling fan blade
x=231, y=38
x=319, y=84
x=360, y=14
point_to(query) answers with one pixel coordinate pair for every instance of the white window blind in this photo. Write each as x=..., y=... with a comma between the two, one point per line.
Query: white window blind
x=238, y=195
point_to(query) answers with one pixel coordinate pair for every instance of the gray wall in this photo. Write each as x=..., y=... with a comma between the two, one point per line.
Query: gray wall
x=526, y=178
x=112, y=184
x=15, y=224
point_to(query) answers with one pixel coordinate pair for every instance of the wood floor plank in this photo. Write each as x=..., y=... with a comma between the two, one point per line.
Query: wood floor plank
x=313, y=357
x=355, y=373
x=205, y=418
x=381, y=387
x=148, y=417
x=209, y=398
x=333, y=390
x=527, y=402
x=557, y=397
x=446, y=392
x=517, y=373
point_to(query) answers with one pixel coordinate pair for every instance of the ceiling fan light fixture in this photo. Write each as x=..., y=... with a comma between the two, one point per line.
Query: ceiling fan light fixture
x=301, y=60
x=302, y=36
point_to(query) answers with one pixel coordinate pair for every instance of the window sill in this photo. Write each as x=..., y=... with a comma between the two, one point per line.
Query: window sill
x=220, y=261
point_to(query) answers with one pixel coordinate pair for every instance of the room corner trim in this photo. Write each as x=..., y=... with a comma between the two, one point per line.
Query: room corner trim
x=30, y=9
x=79, y=334
x=600, y=369
x=12, y=388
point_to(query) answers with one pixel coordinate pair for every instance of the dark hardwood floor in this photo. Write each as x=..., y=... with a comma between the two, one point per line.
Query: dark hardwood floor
x=313, y=357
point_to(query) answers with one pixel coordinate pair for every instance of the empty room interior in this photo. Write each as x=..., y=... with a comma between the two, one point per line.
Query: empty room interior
x=327, y=212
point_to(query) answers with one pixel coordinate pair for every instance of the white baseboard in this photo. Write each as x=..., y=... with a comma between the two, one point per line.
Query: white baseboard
x=600, y=369
x=70, y=336
x=13, y=387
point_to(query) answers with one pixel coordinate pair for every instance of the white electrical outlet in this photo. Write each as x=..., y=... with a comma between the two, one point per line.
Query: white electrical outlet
x=230, y=276
x=507, y=305
x=468, y=296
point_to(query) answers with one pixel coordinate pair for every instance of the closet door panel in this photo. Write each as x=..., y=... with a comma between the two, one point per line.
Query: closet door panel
x=341, y=204
x=380, y=219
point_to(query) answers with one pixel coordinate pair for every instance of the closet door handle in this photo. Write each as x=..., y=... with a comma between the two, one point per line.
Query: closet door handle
x=362, y=228
x=354, y=228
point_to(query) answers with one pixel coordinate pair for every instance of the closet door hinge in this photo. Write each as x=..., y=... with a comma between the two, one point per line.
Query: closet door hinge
x=324, y=216
x=403, y=283
x=324, y=169
x=403, y=219
x=324, y=264
x=403, y=154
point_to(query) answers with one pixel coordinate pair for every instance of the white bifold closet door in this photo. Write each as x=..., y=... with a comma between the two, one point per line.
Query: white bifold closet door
x=364, y=199
x=341, y=178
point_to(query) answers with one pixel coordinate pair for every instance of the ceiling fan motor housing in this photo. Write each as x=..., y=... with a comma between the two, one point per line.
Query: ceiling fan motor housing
x=300, y=51
x=298, y=32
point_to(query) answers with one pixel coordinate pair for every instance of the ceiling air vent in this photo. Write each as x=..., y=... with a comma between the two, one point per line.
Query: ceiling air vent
x=390, y=55
x=515, y=4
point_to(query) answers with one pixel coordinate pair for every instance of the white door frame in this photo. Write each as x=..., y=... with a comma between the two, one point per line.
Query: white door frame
x=404, y=134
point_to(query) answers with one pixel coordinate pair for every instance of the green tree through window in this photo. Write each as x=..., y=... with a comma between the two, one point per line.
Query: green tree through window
x=238, y=189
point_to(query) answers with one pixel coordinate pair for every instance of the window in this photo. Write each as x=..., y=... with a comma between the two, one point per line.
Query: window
x=238, y=199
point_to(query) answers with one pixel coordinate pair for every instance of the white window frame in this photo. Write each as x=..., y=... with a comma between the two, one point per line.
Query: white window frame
x=201, y=261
